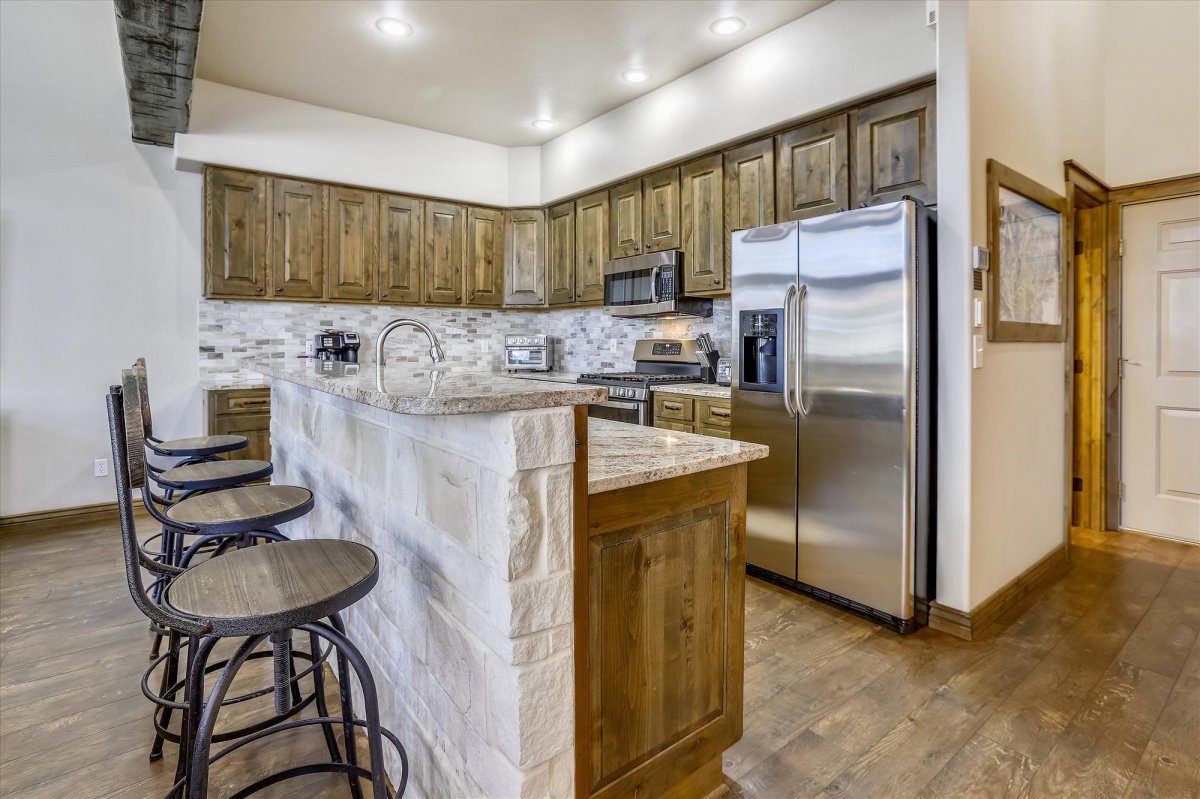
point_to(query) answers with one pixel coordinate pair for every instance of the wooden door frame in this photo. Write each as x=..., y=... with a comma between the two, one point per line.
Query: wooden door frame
x=1084, y=190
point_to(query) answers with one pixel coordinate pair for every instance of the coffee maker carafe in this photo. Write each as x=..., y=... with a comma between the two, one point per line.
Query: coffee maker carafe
x=336, y=345
x=762, y=350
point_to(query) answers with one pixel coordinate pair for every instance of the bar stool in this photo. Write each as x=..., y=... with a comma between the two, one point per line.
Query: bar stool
x=193, y=450
x=256, y=594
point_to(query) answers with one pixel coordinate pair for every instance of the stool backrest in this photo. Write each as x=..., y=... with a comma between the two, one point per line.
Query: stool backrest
x=139, y=371
x=126, y=438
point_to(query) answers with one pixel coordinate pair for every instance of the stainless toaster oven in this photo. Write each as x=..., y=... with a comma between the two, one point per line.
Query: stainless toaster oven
x=528, y=353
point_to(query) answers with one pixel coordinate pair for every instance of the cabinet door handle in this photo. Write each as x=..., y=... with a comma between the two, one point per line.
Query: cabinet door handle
x=279, y=289
x=368, y=294
x=672, y=406
x=722, y=414
x=637, y=248
x=258, y=290
x=716, y=281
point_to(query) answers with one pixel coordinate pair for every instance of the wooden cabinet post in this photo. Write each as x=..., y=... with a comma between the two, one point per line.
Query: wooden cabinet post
x=626, y=209
x=485, y=256
x=525, y=257
x=560, y=254
x=749, y=187
x=445, y=225
x=400, y=251
x=591, y=246
x=702, y=227
x=660, y=210
x=235, y=233
x=895, y=146
x=353, y=248
x=814, y=169
x=298, y=238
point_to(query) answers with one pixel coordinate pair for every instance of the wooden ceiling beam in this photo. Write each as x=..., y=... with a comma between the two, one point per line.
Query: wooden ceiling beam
x=158, y=52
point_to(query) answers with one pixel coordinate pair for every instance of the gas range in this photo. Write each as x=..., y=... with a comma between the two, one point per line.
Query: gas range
x=658, y=362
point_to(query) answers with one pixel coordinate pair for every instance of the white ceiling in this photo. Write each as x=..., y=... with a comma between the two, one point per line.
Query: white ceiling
x=484, y=69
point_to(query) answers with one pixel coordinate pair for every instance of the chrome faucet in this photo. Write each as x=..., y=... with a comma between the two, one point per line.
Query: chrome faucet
x=435, y=348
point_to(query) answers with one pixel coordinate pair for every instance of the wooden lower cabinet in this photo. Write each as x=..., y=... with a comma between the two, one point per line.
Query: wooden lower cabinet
x=707, y=416
x=662, y=636
x=242, y=412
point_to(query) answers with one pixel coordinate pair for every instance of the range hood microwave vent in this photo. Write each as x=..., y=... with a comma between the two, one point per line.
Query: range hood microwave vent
x=650, y=284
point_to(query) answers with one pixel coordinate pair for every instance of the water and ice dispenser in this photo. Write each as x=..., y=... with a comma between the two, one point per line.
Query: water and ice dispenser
x=762, y=350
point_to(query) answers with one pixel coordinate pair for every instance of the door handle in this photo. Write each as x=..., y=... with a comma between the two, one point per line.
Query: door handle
x=788, y=323
x=801, y=327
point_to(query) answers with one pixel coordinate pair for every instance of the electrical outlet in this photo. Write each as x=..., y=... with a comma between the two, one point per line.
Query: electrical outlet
x=612, y=345
x=100, y=467
x=485, y=345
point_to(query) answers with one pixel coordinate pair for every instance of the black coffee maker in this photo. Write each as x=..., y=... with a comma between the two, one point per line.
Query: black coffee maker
x=336, y=345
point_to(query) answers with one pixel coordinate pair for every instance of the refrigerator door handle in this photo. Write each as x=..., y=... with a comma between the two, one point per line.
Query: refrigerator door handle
x=801, y=325
x=789, y=325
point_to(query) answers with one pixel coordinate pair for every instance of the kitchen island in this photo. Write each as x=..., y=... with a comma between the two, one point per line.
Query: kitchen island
x=560, y=604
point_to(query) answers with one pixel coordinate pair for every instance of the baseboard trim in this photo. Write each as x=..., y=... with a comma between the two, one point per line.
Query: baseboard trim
x=21, y=523
x=969, y=626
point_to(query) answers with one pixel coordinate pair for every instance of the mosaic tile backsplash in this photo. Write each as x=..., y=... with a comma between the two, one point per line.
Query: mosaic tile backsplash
x=472, y=338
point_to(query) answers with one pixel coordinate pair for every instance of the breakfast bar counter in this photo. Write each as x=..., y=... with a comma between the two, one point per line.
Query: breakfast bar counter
x=560, y=603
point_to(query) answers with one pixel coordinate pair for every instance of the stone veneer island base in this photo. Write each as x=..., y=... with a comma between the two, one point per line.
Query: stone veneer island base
x=558, y=614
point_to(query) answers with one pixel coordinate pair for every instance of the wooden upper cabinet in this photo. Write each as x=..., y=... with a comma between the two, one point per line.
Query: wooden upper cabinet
x=560, y=254
x=352, y=246
x=591, y=246
x=814, y=169
x=445, y=226
x=660, y=209
x=702, y=227
x=749, y=188
x=235, y=232
x=400, y=251
x=626, y=209
x=298, y=238
x=525, y=257
x=485, y=256
x=895, y=147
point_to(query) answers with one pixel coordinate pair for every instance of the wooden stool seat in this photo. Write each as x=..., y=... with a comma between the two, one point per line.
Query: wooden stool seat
x=271, y=587
x=198, y=446
x=239, y=510
x=214, y=474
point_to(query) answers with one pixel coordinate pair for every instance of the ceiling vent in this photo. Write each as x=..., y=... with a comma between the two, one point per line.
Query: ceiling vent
x=931, y=12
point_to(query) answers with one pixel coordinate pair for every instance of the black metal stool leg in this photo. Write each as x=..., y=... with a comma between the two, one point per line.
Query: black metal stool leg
x=170, y=675
x=335, y=754
x=347, y=702
x=201, y=743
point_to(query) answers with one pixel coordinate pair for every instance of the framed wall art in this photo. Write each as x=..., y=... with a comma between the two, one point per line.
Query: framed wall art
x=1027, y=238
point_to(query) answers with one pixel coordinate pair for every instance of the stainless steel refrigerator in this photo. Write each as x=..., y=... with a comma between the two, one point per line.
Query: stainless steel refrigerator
x=833, y=371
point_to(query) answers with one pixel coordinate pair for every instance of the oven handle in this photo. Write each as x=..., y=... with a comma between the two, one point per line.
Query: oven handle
x=625, y=406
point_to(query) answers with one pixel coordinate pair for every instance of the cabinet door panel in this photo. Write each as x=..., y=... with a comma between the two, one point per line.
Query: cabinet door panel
x=814, y=173
x=560, y=254
x=661, y=209
x=591, y=246
x=298, y=238
x=749, y=187
x=445, y=225
x=525, y=257
x=702, y=228
x=256, y=427
x=235, y=246
x=485, y=256
x=627, y=219
x=895, y=146
x=353, y=253
x=400, y=251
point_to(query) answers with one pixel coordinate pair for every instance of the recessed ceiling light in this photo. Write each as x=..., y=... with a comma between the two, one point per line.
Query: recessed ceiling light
x=393, y=27
x=727, y=26
x=543, y=124
x=635, y=75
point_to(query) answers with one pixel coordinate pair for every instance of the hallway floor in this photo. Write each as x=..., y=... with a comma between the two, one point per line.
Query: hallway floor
x=1089, y=688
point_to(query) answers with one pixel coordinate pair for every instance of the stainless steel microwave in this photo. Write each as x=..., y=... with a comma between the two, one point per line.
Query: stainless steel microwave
x=650, y=284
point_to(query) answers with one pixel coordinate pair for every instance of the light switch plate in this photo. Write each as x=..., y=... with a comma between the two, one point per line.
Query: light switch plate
x=976, y=352
x=978, y=302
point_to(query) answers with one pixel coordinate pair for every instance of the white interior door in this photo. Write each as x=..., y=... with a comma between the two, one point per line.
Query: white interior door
x=1160, y=387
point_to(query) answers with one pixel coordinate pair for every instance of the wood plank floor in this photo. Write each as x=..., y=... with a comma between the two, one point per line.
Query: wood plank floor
x=1090, y=688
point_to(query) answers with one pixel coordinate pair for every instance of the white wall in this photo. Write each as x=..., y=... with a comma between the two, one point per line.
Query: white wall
x=1037, y=99
x=99, y=256
x=836, y=54
x=245, y=129
x=1152, y=97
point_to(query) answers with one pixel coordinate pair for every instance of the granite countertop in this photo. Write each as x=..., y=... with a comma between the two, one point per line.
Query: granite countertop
x=430, y=392
x=697, y=390
x=546, y=377
x=622, y=455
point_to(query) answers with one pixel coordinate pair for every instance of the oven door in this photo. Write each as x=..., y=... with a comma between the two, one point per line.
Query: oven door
x=531, y=359
x=628, y=411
